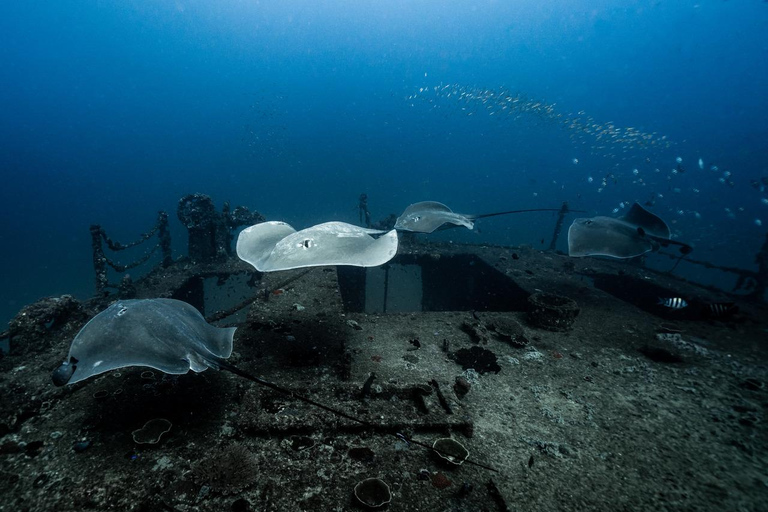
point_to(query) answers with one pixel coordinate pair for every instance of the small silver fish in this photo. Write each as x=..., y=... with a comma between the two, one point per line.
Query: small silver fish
x=673, y=302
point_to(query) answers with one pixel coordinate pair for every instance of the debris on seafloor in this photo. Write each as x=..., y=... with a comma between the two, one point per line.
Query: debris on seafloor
x=677, y=341
x=298, y=443
x=36, y=326
x=365, y=393
x=81, y=446
x=362, y=454
x=229, y=471
x=669, y=328
x=152, y=431
x=552, y=312
x=461, y=387
x=508, y=329
x=419, y=392
x=479, y=359
x=496, y=496
x=660, y=354
x=440, y=397
x=752, y=384
x=440, y=481
x=373, y=492
x=477, y=332
x=450, y=450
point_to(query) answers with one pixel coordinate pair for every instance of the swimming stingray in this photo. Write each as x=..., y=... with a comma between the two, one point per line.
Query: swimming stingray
x=429, y=216
x=271, y=246
x=636, y=233
x=168, y=335
x=165, y=334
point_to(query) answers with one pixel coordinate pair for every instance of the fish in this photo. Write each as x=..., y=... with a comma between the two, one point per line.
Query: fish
x=673, y=302
x=165, y=334
x=171, y=336
x=635, y=233
x=429, y=216
x=721, y=309
x=272, y=246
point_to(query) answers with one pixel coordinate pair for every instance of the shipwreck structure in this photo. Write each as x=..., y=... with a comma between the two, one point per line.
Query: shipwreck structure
x=511, y=353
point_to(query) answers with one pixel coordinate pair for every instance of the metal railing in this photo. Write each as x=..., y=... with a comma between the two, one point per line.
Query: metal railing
x=101, y=261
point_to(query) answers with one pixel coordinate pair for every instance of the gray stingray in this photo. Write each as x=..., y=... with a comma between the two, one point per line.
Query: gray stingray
x=636, y=233
x=166, y=334
x=429, y=216
x=271, y=246
x=173, y=337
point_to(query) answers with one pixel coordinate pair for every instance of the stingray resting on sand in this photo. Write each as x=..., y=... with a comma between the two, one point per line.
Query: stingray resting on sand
x=272, y=246
x=636, y=233
x=429, y=216
x=171, y=336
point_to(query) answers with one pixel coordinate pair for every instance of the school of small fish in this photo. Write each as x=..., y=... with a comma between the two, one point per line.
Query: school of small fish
x=622, y=146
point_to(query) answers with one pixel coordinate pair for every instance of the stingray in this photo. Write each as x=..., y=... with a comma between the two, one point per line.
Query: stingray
x=165, y=334
x=271, y=246
x=171, y=336
x=636, y=233
x=429, y=216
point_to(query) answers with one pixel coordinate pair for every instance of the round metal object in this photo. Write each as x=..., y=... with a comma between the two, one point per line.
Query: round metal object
x=552, y=312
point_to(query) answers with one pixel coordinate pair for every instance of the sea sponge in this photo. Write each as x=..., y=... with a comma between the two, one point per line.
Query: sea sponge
x=229, y=471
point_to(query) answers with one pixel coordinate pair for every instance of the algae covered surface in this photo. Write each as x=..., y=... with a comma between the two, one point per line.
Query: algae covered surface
x=632, y=408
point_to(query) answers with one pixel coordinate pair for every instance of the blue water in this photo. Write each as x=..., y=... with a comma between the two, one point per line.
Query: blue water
x=112, y=111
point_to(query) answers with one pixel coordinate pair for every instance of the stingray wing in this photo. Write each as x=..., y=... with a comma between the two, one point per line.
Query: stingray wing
x=424, y=206
x=165, y=334
x=651, y=224
x=605, y=236
x=331, y=243
x=428, y=216
x=255, y=243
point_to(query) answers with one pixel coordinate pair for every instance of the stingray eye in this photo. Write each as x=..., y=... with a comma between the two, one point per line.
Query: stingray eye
x=588, y=222
x=307, y=243
x=122, y=311
x=63, y=373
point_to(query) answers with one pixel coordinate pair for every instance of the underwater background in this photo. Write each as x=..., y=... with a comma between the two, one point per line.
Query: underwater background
x=115, y=110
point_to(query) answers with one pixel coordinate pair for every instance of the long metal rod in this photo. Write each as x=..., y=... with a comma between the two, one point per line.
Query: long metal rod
x=224, y=365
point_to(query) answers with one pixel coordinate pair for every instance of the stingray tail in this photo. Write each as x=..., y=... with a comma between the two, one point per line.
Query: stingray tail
x=658, y=241
x=684, y=249
x=484, y=215
x=224, y=365
x=221, y=364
